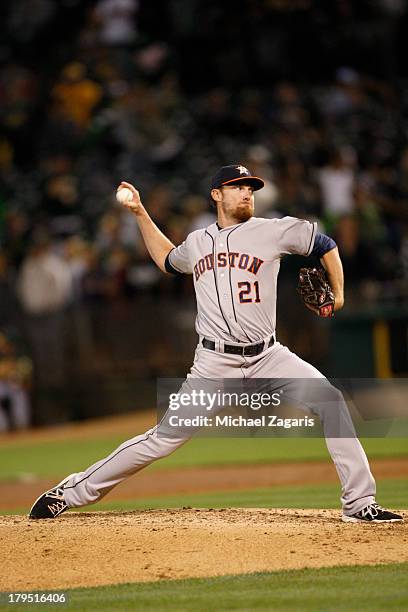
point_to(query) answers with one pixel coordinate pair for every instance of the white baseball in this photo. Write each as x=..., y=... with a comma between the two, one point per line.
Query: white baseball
x=124, y=195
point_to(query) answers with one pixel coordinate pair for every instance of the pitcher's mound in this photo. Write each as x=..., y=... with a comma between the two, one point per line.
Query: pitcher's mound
x=89, y=549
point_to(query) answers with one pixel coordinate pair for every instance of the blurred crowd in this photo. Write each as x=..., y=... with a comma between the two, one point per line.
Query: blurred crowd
x=161, y=94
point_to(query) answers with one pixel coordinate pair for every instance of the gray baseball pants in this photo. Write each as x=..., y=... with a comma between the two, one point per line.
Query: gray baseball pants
x=277, y=362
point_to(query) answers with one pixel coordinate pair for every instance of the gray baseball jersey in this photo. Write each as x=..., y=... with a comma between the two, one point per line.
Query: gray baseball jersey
x=235, y=273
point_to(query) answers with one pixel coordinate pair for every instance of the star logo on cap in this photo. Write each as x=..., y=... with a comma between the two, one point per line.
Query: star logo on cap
x=242, y=170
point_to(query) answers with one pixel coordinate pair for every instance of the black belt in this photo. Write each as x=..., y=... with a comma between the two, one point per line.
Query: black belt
x=246, y=351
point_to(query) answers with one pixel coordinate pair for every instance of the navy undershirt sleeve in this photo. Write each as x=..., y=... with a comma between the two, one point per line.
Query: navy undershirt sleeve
x=322, y=245
x=169, y=267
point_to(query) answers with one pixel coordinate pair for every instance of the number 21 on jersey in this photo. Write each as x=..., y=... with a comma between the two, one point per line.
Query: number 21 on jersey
x=249, y=292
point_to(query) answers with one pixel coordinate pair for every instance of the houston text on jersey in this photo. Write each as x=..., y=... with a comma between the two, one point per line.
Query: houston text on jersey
x=243, y=261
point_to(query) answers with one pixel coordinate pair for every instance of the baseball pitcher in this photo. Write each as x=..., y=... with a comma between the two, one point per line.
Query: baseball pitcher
x=235, y=264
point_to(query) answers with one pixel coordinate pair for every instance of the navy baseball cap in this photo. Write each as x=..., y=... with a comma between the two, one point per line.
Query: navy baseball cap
x=235, y=174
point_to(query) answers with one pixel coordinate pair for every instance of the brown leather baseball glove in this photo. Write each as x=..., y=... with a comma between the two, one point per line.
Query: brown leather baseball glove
x=316, y=292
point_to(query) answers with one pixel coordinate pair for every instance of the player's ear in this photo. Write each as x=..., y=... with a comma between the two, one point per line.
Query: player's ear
x=216, y=195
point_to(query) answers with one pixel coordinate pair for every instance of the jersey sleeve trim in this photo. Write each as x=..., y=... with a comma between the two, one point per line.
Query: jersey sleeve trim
x=312, y=238
x=170, y=267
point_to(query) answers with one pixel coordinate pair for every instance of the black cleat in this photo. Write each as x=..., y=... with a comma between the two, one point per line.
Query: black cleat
x=51, y=503
x=373, y=514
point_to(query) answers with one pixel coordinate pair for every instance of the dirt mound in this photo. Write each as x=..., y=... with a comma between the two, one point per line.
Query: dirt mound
x=89, y=549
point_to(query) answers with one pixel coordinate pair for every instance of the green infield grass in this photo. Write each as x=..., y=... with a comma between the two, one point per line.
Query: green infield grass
x=356, y=588
x=391, y=493
x=56, y=459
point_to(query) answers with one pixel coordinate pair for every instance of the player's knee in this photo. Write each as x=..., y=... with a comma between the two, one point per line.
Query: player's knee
x=165, y=444
x=327, y=400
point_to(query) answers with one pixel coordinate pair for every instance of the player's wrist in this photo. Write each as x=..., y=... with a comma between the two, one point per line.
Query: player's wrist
x=140, y=212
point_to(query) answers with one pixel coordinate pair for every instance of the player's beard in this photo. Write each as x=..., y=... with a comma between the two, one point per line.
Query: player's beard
x=243, y=213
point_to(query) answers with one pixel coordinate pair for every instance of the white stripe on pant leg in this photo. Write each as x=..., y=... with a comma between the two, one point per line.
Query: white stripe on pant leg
x=130, y=457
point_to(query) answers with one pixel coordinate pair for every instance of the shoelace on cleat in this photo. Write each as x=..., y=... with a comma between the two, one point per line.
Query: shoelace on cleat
x=57, y=508
x=56, y=493
x=371, y=511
